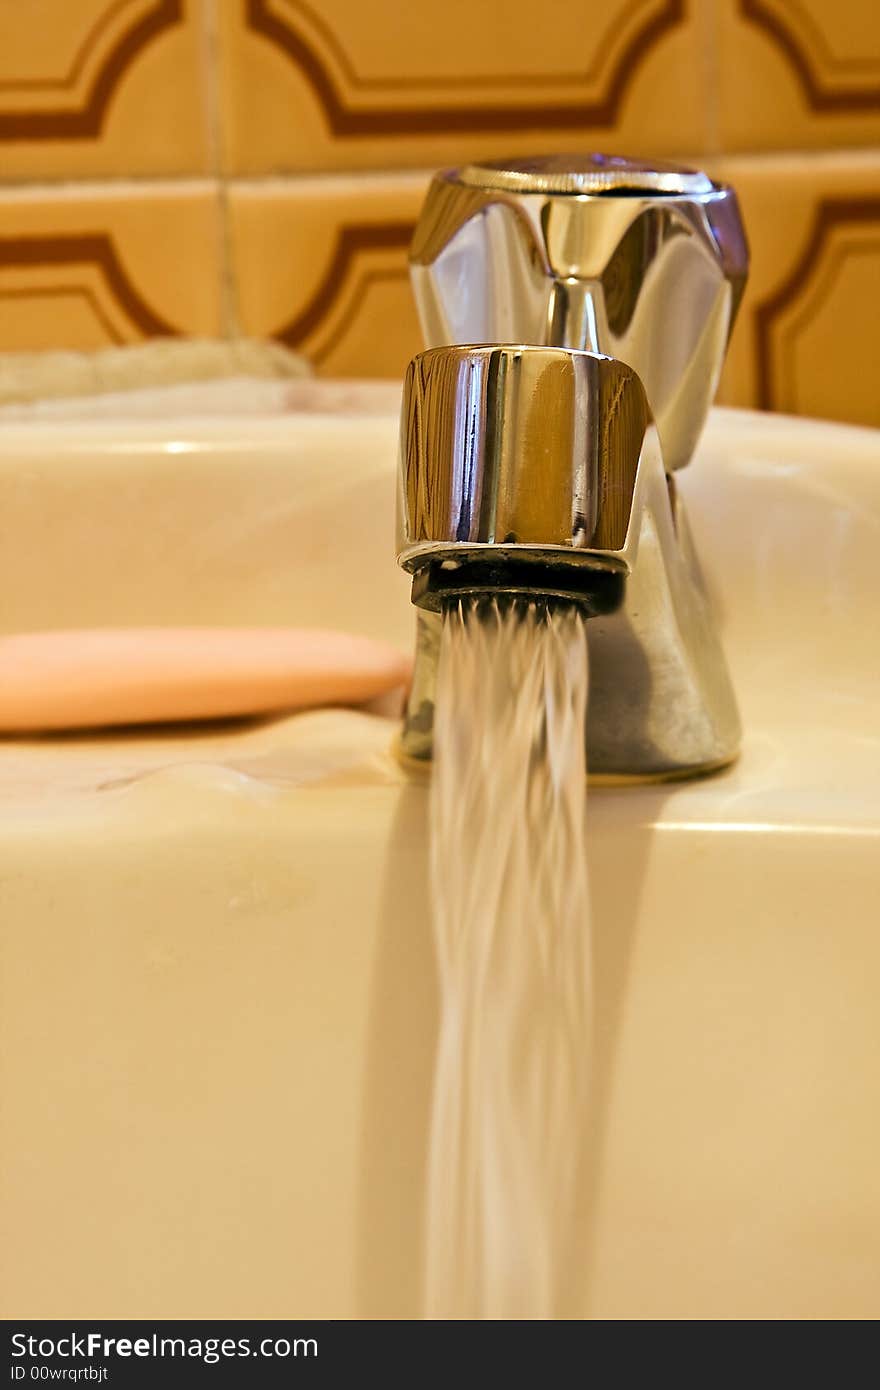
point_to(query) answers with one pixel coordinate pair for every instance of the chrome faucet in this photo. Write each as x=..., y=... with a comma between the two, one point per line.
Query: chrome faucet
x=531, y=463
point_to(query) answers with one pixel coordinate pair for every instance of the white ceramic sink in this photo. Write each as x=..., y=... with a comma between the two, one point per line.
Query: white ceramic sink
x=219, y=1008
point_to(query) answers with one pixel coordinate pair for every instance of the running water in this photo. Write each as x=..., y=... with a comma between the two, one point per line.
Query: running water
x=511, y=925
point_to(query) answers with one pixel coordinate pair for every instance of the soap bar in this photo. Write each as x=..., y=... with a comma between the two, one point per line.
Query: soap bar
x=103, y=676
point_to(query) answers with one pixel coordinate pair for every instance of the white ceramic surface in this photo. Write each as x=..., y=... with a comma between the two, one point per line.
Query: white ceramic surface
x=218, y=993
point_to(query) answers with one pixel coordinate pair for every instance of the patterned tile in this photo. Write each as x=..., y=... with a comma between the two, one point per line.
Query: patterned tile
x=102, y=87
x=798, y=73
x=115, y=89
x=89, y=267
x=346, y=85
x=321, y=265
x=805, y=342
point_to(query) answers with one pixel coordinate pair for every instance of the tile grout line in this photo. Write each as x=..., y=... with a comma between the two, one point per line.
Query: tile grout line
x=711, y=28
x=115, y=185
x=211, y=68
x=867, y=156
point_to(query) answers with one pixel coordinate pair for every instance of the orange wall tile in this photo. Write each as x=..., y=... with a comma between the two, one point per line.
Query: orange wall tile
x=347, y=85
x=805, y=342
x=246, y=162
x=322, y=266
x=90, y=267
x=102, y=87
x=798, y=73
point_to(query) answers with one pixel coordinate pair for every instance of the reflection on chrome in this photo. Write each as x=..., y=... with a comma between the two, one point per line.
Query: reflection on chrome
x=643, y=262
x=537, y=465
x=538, y=471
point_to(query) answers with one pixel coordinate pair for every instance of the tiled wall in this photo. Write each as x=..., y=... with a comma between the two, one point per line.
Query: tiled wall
x=255, y=166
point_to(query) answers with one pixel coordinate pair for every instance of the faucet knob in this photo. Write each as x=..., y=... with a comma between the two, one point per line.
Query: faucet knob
x=644, y=262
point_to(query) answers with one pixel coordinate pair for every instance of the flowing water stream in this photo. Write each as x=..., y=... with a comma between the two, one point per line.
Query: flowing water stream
x=511, y=924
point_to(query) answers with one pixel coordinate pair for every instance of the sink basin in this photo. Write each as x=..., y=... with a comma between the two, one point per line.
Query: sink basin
x=218, y=994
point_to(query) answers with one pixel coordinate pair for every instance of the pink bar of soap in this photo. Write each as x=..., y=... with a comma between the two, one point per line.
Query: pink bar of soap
x=99, y=676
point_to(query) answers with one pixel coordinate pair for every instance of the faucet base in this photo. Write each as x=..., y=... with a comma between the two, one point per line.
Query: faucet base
x=421, y=767
x=661, y=705
x=639, y=779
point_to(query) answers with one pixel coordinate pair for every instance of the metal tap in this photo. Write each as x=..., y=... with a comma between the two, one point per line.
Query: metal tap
x=535, y=464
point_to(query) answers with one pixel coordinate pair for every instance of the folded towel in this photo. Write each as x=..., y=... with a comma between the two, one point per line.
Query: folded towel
x=37, y=376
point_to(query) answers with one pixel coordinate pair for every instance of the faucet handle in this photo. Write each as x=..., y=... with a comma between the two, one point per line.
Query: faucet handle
x=644, y=262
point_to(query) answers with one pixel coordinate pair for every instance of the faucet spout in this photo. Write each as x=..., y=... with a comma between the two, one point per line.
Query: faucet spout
x=530, y=453
x=538, y=470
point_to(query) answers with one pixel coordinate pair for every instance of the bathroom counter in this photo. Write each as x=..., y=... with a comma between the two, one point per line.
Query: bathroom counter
x=218, y=992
